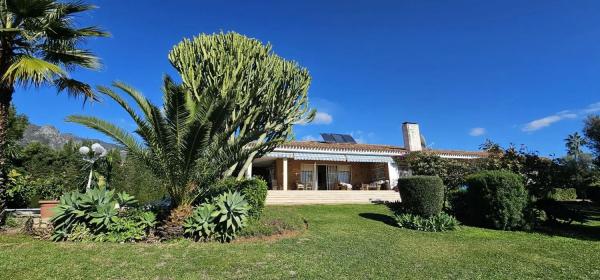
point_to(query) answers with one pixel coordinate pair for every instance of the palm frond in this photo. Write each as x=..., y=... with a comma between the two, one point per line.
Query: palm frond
x=24, y=9
x=92, y=31
x=141, y=101
x=68, y=8
x=144, y=129
x=75, y=88
x=69, y=57
x=116, y=133
x=27, y=70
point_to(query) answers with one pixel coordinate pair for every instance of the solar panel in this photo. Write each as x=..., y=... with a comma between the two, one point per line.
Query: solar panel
x=328, y=137
x=348, y=139
x=337, y=138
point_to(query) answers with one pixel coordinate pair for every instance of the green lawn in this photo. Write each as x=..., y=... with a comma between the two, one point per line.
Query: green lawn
x=342, y=242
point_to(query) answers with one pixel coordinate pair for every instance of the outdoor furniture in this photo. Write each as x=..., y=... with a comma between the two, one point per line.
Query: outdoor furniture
x=376, y=185
x=344, y=186
x=299, y=186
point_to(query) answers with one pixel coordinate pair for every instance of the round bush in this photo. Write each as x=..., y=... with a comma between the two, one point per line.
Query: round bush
x=422, y=195
x=496, y=199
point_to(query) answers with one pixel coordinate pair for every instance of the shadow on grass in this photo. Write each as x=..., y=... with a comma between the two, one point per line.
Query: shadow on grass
x=588, y=231
x=379, y=217
x=577, y=231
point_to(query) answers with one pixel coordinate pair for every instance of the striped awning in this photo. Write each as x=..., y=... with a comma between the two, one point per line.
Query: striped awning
x=331, y=157
x=364, y=158
x=280, y=155
x=317, y=156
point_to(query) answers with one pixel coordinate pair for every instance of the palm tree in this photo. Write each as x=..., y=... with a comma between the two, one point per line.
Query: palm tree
x=183, y=143
x=39, y=45
x=574, y=143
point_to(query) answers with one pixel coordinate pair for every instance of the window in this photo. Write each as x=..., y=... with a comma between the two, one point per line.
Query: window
x=343, y=174
x=306, y=174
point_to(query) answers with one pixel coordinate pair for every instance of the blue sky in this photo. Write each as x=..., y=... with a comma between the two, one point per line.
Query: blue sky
x=524, y=72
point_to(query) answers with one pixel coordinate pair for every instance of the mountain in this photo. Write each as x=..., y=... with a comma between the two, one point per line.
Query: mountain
x=52, y=137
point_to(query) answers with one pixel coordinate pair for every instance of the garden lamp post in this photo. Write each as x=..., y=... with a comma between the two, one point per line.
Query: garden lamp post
x=92, y=155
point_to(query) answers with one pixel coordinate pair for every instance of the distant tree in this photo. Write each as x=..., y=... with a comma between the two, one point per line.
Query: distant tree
x=591, y=130
x=574, y=143
x=39, y=44
x=540, y=174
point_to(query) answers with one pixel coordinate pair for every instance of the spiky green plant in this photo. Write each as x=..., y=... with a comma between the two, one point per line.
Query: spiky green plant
x=269, y=93
x=201, y=225
x=183, y=142
x=39, y=45
x=231, y=215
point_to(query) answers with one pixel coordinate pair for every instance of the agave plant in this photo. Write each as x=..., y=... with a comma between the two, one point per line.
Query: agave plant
x=97, y=209
x=231, y=215
x=201, y=225
x=183, y=142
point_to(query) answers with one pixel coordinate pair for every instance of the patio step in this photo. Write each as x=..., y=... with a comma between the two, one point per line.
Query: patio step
x=329, y=197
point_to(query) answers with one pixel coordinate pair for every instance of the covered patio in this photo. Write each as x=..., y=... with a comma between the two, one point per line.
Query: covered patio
x=312, y=171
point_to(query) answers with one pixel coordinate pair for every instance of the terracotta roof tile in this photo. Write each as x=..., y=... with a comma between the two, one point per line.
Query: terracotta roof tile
x=369, y=147
x=342, y=146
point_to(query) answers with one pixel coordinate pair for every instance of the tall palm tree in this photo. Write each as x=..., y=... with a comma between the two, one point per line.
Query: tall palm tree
x=183, y=143
x=39, y=45
x=574, y=143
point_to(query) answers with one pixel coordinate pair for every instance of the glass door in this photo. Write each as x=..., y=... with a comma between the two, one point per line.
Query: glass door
x=332, y=177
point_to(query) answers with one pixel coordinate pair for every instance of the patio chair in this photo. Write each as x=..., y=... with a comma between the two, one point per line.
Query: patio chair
x=344, y=186
x=299, y=186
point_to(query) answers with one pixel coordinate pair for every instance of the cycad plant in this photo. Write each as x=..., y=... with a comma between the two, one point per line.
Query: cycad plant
x=182, y=142
x=39, y=45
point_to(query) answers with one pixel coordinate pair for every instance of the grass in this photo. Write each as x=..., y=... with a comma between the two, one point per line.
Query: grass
x=341, y=242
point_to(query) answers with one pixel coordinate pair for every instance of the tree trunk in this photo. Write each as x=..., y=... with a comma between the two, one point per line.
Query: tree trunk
x=6, y=93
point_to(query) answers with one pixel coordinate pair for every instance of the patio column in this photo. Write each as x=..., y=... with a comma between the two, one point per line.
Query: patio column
x=285, y=174
x=315, y=187
x=249, y=171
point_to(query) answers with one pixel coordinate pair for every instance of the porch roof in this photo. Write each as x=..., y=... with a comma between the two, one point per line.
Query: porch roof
x=331, y=157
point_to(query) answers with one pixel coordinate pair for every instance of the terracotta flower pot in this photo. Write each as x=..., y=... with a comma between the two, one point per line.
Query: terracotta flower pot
x=47, y=208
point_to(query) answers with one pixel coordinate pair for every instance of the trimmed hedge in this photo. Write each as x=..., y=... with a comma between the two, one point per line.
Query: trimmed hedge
x=422, y=195
x=495, y=199
x=564, y=194
x=254, y=191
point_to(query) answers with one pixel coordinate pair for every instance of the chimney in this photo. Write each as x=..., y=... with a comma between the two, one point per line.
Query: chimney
x=412, y=137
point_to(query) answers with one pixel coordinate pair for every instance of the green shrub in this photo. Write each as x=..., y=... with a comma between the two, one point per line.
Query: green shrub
x=254, y=191
x=220, y=219
x=438, y=222
x=563, y=194
x=422, y=195
x=495, y=199
x=24, y=191
x=100, y=215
